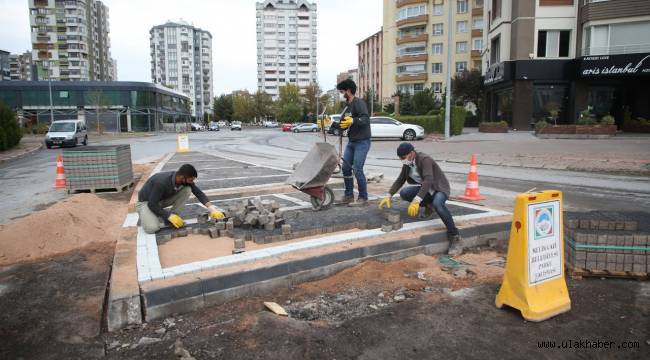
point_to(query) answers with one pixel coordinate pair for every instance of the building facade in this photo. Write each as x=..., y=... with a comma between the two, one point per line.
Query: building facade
x=551, y=60
x=22, y=67
x=286, y=45
x=181, y=58
x=5, y=71
x=415, y=42
x=70, y=40
x=117, y=106
x=370, y=52
x=350, y=74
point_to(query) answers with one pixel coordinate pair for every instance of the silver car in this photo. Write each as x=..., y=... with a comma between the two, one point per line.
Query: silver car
x=66, y=133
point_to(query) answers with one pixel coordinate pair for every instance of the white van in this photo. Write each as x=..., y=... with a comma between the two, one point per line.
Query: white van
x=66, y=133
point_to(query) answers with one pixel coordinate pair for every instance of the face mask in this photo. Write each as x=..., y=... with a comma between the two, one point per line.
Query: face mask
x=407, y=162
x=342, y=97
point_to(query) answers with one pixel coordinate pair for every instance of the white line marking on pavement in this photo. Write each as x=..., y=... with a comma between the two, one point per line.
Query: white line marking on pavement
x=292, y=199
x=131, y=220
x=202, y=180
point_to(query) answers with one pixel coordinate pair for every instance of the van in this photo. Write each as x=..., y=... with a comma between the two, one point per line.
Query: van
x=66, y=133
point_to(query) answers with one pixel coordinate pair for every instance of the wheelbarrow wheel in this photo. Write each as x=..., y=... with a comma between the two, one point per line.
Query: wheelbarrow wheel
x=326, y=203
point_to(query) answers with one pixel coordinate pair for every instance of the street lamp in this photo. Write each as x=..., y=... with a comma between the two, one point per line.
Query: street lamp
x=49, y=83
x=448, y=76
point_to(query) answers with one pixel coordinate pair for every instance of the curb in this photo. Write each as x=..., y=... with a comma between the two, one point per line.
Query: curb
x=28, y=152
x=622, y=172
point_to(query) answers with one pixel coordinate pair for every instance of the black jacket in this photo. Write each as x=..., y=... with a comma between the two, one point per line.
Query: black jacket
x=360, y=129
x=432, y=176
x=162, y=186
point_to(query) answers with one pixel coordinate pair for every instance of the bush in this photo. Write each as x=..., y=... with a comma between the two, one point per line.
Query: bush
x=494, y=123
x=608, y=120
x=10, y=132
x=586, y=121
x=381, y=113
x=434, y=112
x=458, y=116
x=540, y=125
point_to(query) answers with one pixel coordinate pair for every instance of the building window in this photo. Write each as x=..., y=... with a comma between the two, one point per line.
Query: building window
x=461, y=6
x=550, y=103
x=461, y=47
x=461, y=26
x=411, y=69
x=437, y=29
x=412, y=49
x=477, y=44
x=478, y=3
x=553, y=43
x=617, y=38
x=438, y=9
x=495, y=50
x=477, y=23
x=496, y=9
x=410, y=12
x=461, y=66
x=436, y=49
x=436, y=68
x=437, y=87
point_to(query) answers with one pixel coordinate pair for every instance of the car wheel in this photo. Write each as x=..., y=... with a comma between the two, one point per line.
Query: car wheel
x=409, y=135
x=48, y=146
x=295, y=131
x=85, y=141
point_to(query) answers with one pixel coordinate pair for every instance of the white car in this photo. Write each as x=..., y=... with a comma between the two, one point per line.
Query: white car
x=197, y=127
x=66, y=133
x=270, y=124
x=222, y=123
x=386, y=127
x=235, y=125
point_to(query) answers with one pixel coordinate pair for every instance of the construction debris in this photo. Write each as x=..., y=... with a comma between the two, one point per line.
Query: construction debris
x=255, y=213
x=275, y=308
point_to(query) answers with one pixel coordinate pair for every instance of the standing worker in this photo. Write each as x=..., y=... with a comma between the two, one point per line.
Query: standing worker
x=357, y=122
x=430, y=188
x=171, y=188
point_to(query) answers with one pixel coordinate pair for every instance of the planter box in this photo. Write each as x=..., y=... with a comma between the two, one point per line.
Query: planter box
x=636, y=128
x=577, y=131
x=487, y=128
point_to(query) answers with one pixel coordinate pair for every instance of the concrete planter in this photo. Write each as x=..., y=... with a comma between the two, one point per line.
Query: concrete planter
x=492, y=128
x=577, y=131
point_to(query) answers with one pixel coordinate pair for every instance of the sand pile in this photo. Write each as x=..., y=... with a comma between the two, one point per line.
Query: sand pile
x=76, y=222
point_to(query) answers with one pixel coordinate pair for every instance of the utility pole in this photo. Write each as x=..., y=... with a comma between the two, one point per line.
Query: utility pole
x=49, y=83
x=448, y=77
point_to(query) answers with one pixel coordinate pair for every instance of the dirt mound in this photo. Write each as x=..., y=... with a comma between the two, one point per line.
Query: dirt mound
x=76, y=222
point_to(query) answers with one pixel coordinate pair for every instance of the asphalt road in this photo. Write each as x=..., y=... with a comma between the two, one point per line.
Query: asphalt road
x=26, y=184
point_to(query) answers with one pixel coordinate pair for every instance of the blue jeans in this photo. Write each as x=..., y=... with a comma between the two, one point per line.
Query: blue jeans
x=438, y=200
x=355, y=157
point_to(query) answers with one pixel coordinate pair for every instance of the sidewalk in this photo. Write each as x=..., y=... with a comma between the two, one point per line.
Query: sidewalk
x=627, y=154
x=28, y=144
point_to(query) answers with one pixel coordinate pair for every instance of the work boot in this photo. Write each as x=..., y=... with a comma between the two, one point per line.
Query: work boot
x=359, y=203
x=347, y=200
x=455, y=245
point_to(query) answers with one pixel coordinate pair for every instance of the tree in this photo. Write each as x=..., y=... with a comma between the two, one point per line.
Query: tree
x=100, y=102
x=289, y=104
x=423, y=102
x=263, y=104
x=223, y=107
x=467, y=87
x=405, y=103
x=243, y=107
x=311, y=94
x=10, y=131
x=289, y=113
x=325, y=102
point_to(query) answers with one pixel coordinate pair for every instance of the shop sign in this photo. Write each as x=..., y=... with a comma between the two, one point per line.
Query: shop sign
x=494, y=74
x=615, y=65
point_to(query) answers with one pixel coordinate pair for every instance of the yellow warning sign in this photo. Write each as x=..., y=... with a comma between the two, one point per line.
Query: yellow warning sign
x=534, y=281
x=183, y=143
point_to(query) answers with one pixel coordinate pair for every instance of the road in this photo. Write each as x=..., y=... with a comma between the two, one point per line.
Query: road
x=26, y=184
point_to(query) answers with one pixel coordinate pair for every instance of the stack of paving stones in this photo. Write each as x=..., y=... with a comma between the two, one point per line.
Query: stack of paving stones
x=606, y=243
x=93, y=168
x=394, y=221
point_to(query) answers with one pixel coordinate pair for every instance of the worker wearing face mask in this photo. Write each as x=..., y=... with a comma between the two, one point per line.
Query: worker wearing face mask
x=429, y=188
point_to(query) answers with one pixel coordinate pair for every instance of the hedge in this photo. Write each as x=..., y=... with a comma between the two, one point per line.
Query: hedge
x=436, y=123
x=10, y=132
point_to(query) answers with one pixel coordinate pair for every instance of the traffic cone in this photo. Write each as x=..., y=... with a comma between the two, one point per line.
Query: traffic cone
x=471, y=189
x=59, y=183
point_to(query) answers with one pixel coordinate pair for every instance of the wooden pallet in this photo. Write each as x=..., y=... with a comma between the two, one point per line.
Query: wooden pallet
x=579, y=273
x=118, y=189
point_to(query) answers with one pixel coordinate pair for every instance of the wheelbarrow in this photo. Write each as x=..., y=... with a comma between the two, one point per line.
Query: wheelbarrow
x=313, y=173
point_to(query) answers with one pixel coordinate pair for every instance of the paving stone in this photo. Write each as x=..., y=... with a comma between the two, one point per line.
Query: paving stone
x=286, y=229
x=631, y=225
x=585, y=224
x=214, y=232
x=229, y=233
x=393, y=217
x=398, y=225
x=204, y=231
x=239, y=243
x=202, y=219
x=230, y=225
x=196, y=230
x=181, y=232
x=387, y=227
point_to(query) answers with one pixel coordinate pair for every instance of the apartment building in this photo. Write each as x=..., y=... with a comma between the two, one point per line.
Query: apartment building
x=370, y=65
x=5, y=72
x=415, y=42
x=181, y=59
x=350, y=74
x=70, y=39
x=286, y=44
x=21, y=66
x=551, y=59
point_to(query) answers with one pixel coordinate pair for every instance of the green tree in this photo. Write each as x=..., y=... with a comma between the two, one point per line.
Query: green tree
x=289, y=104
x=310, y=96
x=263, y=104
x=223, y=107
x=290, y=113
x=10, y=131
x=423, y=102
x=405, y=104
x=243, y=106
x=467, y=87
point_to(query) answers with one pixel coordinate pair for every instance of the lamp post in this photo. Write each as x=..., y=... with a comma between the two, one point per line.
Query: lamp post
x=49, y=83
x=448, y=76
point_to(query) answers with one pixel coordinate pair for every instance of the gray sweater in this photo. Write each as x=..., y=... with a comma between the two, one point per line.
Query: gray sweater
x=162, y=186
x=360, y=129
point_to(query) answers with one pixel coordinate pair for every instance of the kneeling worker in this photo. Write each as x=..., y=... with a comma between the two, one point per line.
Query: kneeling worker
x=430, y=189
x=171, y=188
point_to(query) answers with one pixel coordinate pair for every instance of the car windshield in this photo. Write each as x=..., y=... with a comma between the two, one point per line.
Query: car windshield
x=62, y=127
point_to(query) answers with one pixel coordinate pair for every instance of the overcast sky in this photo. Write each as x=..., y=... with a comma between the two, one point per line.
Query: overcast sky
x=341, y=25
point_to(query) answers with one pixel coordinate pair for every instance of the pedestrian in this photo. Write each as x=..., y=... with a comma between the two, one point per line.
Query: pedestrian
x=357, y=122
x=429, y=188
x=171, y=188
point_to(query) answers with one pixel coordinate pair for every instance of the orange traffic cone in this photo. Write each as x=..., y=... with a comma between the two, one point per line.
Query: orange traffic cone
x=59, y=183
x=471, y=189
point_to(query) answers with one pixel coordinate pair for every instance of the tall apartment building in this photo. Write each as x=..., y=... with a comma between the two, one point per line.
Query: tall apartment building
x=350, y=74
x=70, y=39
x=552, y=59
x=370, y=52
x=5, y=72
x=286, y=44
x=415, y=42
x=181, y=58
x=21, y=66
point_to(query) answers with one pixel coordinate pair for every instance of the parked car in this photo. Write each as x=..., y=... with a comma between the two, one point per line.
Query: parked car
x=197, y=127
x=386, y=127
x=221, y=123
x=270, y=124
x=66, y=133
x=305, y=127
x=235, y=125
x=213, y=126
x=287, y=127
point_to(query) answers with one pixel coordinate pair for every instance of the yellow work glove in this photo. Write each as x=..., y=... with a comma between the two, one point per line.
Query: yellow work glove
x=216, y=213
x=385, y=202
x=176, y=220
x=346, y=122
x=414, y=208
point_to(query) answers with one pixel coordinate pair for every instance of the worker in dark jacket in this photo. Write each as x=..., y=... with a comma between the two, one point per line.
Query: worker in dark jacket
x=430, y=188
x=170, y=189
x=357, y=122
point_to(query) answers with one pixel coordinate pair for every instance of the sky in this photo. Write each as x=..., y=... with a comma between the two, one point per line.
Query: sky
x=341, y=25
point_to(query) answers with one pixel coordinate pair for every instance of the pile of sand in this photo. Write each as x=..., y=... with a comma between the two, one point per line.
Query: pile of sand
x=74, y=223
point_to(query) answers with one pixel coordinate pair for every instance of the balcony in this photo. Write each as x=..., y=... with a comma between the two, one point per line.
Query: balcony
x=476, y=54
x=411, y=77
x=411, y=58
x=477, y=11
x=401, y=3
x=412, y=38
x=477, y=32
x=415, y=20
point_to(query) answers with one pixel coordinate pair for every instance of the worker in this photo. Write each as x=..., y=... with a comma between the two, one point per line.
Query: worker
x=430, y=188
x=357, y=122
x=171, y=188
